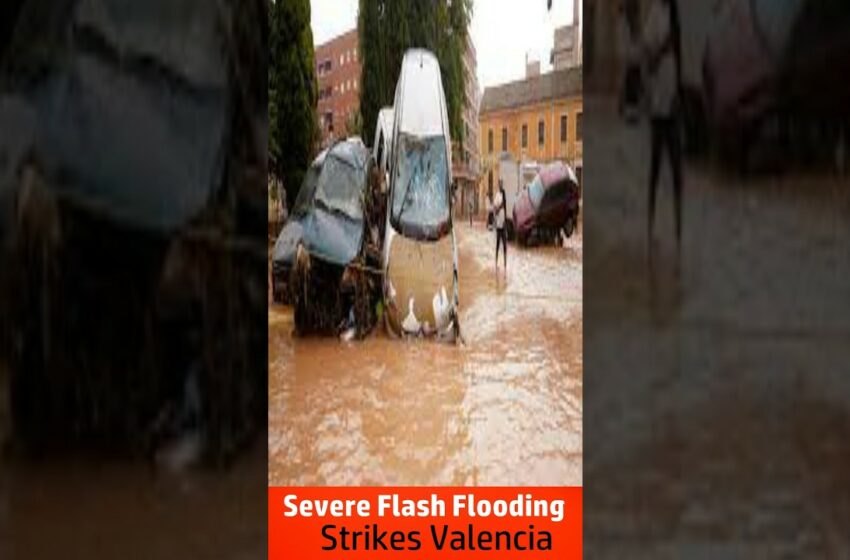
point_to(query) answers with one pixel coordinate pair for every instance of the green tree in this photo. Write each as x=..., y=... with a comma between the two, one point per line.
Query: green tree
x=293, y=93
x=387, y=28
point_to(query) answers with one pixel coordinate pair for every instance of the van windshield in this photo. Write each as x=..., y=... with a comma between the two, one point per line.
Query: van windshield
x=420, y=205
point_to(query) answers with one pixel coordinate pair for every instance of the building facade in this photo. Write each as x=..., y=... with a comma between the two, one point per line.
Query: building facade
x=566, y=52
x=466, y=162
x=537, y=119
x=338, y=72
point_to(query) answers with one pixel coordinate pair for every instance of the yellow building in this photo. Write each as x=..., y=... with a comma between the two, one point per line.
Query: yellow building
x=538, y=119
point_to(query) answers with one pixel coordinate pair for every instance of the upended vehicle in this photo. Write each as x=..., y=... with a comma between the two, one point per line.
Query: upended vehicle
x=771, y=77
x=549, y=205
x=335, y=277
x=420, y=253
x=286, y=245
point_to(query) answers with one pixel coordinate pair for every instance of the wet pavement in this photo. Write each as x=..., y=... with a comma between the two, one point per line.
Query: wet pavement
x=80, y=507
x=720, y=390
x=505, y=408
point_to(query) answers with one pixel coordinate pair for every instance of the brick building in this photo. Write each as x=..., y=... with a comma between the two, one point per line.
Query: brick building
x=535, y=119
x=338, y=71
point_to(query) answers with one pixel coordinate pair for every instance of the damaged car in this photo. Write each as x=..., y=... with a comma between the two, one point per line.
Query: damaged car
x=283, y=253
x=133, y=262
x=420, y=252
x=770, y=70
x=334, y=285
x=548, y=206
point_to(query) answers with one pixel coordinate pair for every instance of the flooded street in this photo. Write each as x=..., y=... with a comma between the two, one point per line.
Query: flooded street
x=505, y=408
x=77, y=507
x=739, y=362
x=80, y=508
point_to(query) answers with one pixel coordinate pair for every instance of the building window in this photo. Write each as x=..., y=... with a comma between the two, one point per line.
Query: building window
x=563, y=128
x=341, y=60
x=355, y=54
x=504, y=139
x=541, y=133
x=524, y=136
x=490, y=141
x=578, y=126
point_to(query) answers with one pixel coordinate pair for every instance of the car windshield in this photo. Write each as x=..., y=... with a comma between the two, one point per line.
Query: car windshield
x=421, y=195
x=535, y=191
x=340, y=188
x=306, y=193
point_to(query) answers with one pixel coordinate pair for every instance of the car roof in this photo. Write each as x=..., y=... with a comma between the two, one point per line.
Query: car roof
x=422, y=98
x=351, y=151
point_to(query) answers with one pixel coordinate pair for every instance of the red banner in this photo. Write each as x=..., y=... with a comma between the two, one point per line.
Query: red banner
x=433, y=523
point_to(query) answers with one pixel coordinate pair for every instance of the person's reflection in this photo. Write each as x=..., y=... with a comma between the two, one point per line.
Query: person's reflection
x=662, y=46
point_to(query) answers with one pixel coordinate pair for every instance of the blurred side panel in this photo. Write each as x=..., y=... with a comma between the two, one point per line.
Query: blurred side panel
x=717, y=395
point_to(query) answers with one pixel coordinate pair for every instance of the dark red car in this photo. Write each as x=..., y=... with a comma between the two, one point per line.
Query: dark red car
x=775, y=70
x=548, y=205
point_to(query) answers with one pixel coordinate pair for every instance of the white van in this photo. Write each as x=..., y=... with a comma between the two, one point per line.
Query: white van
x=382, y=148
x=420, y=253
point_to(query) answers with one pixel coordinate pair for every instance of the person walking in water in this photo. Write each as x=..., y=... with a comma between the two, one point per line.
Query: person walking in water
x=662, y=44
x=499, y=215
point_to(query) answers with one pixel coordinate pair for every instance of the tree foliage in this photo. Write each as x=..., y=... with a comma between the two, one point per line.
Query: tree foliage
x=388, y=28
x=293, y=93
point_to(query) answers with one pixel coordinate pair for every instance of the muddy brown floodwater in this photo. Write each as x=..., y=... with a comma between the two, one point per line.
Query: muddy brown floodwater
x=504, y=408
x=89, y=507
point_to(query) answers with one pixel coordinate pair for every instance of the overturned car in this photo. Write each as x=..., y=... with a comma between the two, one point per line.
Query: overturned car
x=770, y=72
x=334, y=283
x=286, y=245
x=420, y=254
x=549, y=205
